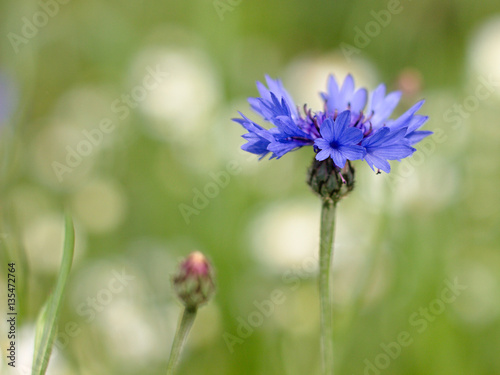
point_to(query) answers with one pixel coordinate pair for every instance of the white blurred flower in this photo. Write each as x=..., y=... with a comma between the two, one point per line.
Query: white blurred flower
x=307, y=76
x=43, y=240
x=100, y=205
x=60, y=156
x=129, y=333
x=71, y=141
x=484, y=51
x=25, y=346
x=286, y=233
x=417, y=189
x=114, y=302
x=188, y=92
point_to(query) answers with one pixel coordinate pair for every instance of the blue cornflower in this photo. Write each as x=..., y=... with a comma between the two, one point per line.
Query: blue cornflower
x=343, y=131
x=386, y=144
x=339, y=141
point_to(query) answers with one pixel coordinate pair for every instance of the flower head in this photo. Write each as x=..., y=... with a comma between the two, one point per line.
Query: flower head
x=354, y=125
x=194, y=281
x=339, y=141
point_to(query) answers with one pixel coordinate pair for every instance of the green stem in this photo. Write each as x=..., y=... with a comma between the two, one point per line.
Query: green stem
x=325, y=284
x=185, y=323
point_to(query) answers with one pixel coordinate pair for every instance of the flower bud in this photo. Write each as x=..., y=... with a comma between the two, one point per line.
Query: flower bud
x=329, y=181
x=194, y=281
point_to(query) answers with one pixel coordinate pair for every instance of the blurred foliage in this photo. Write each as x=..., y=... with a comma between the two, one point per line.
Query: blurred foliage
x=399, y=240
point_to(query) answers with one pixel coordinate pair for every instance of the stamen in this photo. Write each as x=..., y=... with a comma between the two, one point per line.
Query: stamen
x=369, y=131
x=302, y=139
x=315, y=122
x=371, y=115
x=342, y=178
x=359, y=118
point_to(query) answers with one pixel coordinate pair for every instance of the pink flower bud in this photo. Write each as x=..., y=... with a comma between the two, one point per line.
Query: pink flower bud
x=194, y=281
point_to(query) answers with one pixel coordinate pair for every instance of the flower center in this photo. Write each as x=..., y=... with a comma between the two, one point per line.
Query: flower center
x=334, y=144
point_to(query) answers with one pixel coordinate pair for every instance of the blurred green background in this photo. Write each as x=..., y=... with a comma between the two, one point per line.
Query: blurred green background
x=135, y=156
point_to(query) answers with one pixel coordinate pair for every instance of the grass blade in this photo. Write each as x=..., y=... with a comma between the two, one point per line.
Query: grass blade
x=49, y=315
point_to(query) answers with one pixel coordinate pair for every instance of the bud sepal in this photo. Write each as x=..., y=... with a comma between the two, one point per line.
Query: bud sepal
x=194, y=281
x=329, y=181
